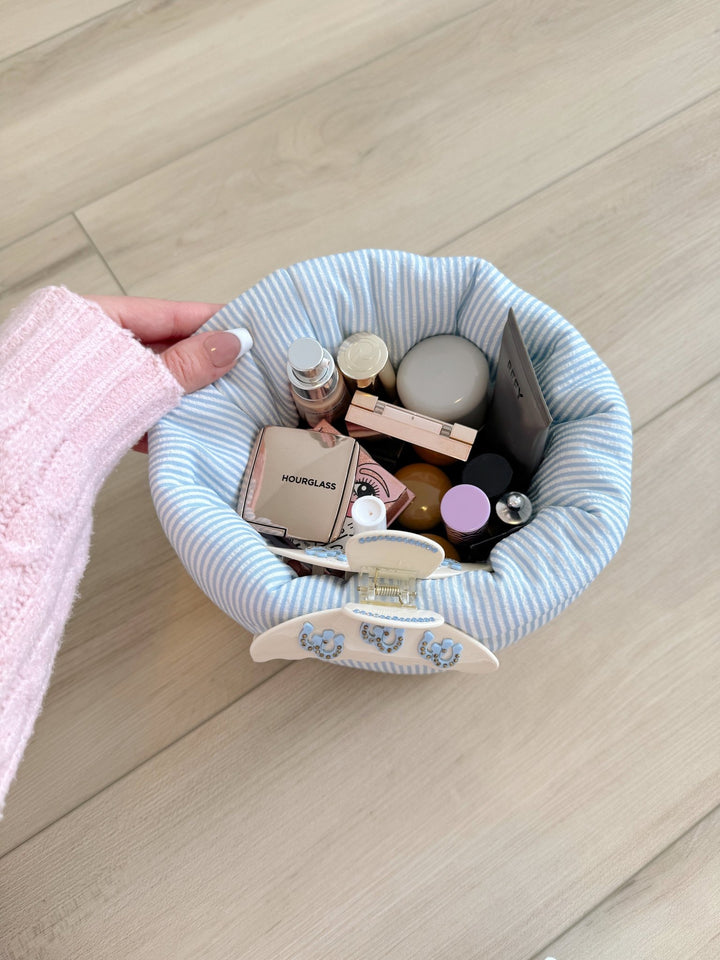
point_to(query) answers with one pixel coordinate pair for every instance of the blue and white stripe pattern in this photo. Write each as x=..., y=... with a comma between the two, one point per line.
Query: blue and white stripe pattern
x=413, y=669
x=581, y=491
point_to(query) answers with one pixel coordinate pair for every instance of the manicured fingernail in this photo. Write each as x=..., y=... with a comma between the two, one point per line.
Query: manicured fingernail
x=229, y=345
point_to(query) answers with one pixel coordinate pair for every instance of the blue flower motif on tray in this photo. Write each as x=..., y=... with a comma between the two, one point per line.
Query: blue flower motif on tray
x=386, y=639
x=326, y=645
x=443, y=653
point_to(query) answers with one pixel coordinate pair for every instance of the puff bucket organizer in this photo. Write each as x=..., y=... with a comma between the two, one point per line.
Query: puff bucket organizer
x=401, y=607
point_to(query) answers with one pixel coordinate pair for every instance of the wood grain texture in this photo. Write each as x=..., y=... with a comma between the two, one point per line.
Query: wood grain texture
x=28, y=22
x=58, y=254
x=667, y=910
x=331, y=813
x=127, y=92
x=413, y=149
x=627, y=249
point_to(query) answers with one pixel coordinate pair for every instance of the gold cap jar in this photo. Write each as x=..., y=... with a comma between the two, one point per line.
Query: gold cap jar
x=363, y=360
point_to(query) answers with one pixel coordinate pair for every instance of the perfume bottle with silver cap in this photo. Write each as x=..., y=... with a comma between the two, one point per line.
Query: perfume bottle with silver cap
x=318, y=390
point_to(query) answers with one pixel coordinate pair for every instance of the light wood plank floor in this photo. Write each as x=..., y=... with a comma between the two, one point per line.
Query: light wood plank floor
x=178, y=800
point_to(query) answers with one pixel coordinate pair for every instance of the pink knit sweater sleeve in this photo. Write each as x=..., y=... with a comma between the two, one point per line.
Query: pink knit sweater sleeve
x=76, y=392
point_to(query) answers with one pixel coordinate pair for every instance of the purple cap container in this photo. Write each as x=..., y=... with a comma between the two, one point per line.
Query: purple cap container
x=465, y=510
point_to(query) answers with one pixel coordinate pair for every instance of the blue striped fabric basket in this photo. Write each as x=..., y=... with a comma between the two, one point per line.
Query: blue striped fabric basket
x=581, y=491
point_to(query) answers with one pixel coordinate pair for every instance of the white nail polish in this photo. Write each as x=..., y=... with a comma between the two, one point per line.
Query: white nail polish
x=245, y=338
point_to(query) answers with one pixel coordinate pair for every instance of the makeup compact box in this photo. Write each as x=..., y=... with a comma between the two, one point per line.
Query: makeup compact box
x=399, y=606
x=298, y=483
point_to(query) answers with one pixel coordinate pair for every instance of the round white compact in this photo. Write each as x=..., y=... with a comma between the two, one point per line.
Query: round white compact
x=445, y=377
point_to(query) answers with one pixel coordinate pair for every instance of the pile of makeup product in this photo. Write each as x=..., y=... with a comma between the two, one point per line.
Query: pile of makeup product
x=427, y=450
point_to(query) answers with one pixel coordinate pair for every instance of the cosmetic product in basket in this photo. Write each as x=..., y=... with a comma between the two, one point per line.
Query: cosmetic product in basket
x=465, y=510
x=450, y=551
x=389, y=452
x=430, y=456
x=518, y=419
x=445, y=377
x=452, y=439
x=362, y=359
x=429, y=484
x=512, y=511
x=373, y=480
x=490, y=472
x=298, y=483
x=368, y=514
x=318, y=390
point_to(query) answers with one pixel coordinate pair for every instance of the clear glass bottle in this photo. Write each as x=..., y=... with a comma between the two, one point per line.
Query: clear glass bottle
x=317, y=388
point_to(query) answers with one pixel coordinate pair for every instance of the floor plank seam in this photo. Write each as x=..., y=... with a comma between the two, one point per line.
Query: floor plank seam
x=75, y=213
x=661, y=853
x=99, y=252
x=139, y=766
x=250, y=119
x=27, y=236
x=476, y=226
x=122, y=6
x=687, y=396
x=66, y=32
x=578, y=169
x=262, y=114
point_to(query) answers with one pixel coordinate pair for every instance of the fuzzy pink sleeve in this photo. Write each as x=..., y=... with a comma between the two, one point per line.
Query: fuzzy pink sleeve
x=76, y=392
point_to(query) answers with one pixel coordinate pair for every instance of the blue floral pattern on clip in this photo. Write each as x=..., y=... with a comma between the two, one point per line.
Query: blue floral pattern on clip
x=326, y=645
x=386, y=639
x=443, y=654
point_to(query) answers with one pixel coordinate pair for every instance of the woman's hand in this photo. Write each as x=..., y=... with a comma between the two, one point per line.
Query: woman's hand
x=166, y=327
